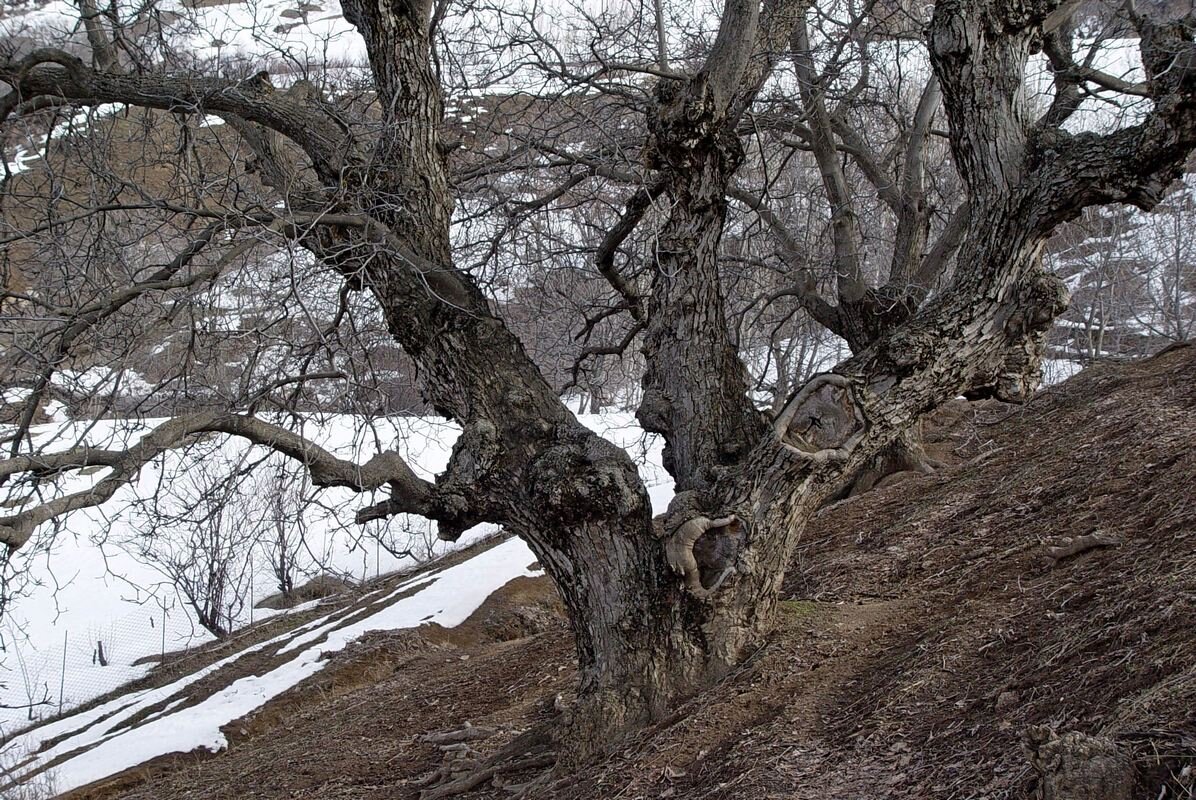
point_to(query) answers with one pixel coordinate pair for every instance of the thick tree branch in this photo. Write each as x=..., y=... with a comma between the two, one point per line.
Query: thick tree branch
x=637, y=206
x=723, y=70
x=324, y=468
x=102, y=51
x=58, y=74
x=778, y=17
x=1069, y=78
x=1136, y=164
x=608, y=350
x=87, y=317
x=944, y=248
x=852, y=143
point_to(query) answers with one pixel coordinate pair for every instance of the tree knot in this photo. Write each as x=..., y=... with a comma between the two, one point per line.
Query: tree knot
x=702, y=550
x=584, y=478
x=823, y=420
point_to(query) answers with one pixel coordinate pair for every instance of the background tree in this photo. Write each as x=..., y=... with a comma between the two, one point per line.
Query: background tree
x=201, y=535
x=286, y=528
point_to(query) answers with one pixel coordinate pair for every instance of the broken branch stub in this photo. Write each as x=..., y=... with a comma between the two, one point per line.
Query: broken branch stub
x=823, y=420
x=701, y=549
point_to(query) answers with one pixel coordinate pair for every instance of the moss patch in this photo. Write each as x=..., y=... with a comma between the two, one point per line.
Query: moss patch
x=799, y=608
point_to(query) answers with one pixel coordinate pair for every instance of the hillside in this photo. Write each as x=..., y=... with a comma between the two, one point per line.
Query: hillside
x=929, y=626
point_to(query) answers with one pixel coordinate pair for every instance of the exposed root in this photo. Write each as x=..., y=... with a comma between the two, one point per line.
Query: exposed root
x=459, y=758
x=475, y=779
x=1082, y=544
x=465, y=769
x=905, y=454
x=520, y=791
x=1076, y=766
x=469, y=733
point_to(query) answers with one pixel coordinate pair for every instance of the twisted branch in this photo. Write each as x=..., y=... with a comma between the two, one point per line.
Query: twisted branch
x=408, y=491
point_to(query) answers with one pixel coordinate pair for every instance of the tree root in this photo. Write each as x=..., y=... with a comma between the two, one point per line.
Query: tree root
x=519, y=791
x=469, y=733
x=1076, y=766
x=906, y=453
x=1081, y=544
x=464, y=768
x=474, y=779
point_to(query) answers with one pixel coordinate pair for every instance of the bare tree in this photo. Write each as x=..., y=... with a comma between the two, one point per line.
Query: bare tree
x=660, y=607
x=285, y=529
x=200, y=539
x=1131, y=277
x=40, y=787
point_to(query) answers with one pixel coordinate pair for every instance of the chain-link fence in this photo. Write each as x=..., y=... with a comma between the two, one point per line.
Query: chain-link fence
x=44, y=678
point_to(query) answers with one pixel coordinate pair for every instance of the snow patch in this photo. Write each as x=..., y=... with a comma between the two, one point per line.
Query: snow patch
x=446, y=598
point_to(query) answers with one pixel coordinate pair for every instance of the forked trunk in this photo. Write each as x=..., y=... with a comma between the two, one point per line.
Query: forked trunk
x=660, y=620
x=663, y=608
x=645, y=642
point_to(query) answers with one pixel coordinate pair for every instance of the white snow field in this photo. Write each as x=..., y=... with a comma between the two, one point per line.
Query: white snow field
x=89, y=579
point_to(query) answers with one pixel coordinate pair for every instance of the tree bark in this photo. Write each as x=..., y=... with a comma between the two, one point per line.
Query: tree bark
x=695, y=386
x=574, y=497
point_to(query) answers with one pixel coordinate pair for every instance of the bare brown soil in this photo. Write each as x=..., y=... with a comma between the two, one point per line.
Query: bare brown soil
x=927, y=627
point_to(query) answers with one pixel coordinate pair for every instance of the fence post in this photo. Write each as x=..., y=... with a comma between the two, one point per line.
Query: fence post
x=162, y=657
x=62, y=675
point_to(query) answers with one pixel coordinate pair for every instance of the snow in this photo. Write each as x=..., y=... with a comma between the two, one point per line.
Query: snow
x=446, y=598
x=85, y=583
x=314, y=33
x=1057, y=370
x=280, y=28
x=1129, y=277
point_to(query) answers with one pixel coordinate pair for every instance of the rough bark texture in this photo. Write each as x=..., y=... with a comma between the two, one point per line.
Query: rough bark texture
x=1076, y=766
x=695, y=386
x=576, y=498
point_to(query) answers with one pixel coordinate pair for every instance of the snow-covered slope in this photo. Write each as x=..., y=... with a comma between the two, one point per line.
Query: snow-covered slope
x=86, y=582
x=101, y=741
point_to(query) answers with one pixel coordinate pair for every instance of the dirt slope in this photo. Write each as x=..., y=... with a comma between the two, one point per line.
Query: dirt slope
x=927, y=630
